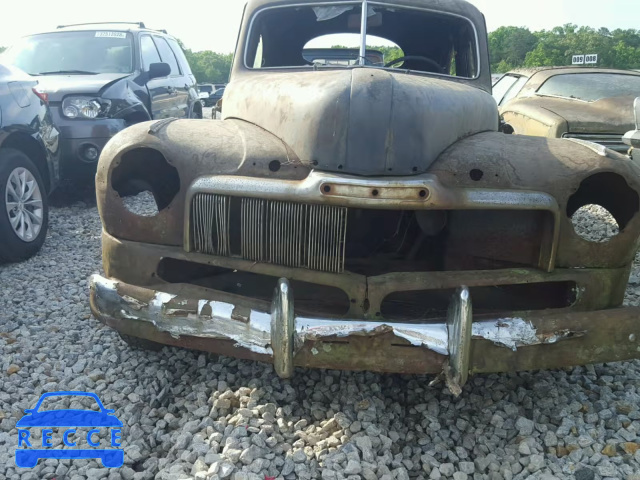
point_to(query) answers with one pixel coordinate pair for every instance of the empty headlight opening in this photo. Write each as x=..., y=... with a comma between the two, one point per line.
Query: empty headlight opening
x=603, y=206
x=145, y=170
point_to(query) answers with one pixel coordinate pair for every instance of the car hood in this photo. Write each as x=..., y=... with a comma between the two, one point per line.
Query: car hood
x=363, y=121
x=607, y=115
x=59, y=86
x=68, y=418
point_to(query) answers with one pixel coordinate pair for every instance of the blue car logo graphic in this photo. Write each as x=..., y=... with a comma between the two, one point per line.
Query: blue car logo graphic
x=69, y=419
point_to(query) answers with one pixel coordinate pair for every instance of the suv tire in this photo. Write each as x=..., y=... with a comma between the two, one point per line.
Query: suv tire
x=19, y=243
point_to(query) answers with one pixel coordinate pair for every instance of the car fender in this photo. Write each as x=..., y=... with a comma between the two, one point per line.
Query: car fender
x=572, y=172
x=129, y=101
x=530, y=119
x=181, y=151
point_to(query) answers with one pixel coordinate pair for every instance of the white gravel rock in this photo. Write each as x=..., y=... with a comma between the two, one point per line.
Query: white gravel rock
x=192, y=415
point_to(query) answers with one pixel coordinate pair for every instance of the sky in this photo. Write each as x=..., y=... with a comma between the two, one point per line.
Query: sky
x=213, y=24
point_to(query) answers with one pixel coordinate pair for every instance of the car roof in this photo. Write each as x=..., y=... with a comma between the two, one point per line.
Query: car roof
x=539, y=75
x=131, y=27
x=551, y=71
x=454, y=6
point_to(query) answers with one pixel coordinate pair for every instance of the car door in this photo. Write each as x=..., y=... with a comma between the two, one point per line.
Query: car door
x=178, y=94
x=160, y=96
x=188, y=80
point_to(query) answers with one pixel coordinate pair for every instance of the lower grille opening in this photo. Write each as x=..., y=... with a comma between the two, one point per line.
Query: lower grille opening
x=309, y=298
x=431, y=304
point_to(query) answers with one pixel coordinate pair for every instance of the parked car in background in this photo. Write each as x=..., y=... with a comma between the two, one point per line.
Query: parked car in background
x=216, y=96
x=202, y=95
x=101, y=78
x=29, y=168
x=204, y=91
x=341, y=56
x=592, y=104
x=367, y=218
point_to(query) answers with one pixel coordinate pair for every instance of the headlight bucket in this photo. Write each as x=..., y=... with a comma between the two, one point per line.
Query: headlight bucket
x=85, y=107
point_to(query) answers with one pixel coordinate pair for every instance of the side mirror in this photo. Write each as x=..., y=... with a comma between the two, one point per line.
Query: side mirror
x=159, y=70
x=632, y=137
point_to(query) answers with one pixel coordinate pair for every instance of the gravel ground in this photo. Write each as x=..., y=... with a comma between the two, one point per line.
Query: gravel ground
x=189, y=415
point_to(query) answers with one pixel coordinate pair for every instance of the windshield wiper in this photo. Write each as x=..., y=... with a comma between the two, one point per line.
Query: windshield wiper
x=70, y=72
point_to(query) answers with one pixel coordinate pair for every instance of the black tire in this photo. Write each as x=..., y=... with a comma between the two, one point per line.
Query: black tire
x=12, y=247
x=141, y=343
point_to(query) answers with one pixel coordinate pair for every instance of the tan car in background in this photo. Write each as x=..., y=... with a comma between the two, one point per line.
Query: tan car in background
x=592, y=104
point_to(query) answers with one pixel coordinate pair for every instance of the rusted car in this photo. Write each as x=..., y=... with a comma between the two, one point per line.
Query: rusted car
x=364, y=217
x=591, y=104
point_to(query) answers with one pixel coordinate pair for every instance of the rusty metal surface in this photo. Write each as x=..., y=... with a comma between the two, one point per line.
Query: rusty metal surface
x=136, y=263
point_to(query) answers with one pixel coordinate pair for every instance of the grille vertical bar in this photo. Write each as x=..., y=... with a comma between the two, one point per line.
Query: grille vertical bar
x=283, y=233
x=327, y=232
x=286, y=237
x=252, y=219
x=210, y=224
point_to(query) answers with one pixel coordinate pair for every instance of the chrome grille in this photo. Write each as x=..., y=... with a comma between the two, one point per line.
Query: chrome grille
x=210, y=221
x=283, y=233
x=609, y=140
x=286, y=233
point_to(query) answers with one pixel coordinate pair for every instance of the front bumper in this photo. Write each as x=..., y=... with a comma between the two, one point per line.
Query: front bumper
x=190, y=316
x=76, y=135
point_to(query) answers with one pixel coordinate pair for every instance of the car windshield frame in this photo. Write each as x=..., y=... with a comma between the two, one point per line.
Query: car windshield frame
x=363, y=35
x=554, y=78
x=11, y=54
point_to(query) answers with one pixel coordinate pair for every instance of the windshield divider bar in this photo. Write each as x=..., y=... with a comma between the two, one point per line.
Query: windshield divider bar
x=363, y=33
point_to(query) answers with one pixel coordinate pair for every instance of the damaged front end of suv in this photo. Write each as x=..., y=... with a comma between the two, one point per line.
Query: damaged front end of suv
x=366, y=217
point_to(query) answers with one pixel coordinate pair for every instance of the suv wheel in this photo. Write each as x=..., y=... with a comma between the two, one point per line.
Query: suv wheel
x=24, y=209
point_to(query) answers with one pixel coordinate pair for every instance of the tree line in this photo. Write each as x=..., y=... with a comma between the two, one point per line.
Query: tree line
x=509, y=47
x=513, y=47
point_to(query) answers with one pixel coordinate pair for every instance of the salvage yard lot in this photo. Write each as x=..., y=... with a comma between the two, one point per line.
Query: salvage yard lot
x=187, y=413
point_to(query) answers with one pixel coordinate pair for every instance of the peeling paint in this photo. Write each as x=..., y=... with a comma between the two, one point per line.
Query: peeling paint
x=431, y=336
x=516, y=332
x=158, y=302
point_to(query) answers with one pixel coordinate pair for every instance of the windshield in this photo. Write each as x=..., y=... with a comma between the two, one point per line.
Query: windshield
x=591, y=86
x=328, y=36
x=73, y=52
x=205, y=88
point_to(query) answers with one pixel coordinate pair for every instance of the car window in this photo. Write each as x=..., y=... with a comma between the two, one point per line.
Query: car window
x=205, y=88
x=431, y=42
x=502, y=86
x=343, y=50
x=73, y=52
x=149, y=51
x=591, y=86
x=182, y=59
x=514, y=90
x=167, y=55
